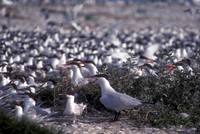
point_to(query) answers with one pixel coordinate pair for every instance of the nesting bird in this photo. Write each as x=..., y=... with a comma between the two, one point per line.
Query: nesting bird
x=29, y=102
x=73, y=108
x=18, y=112
x=183, y=65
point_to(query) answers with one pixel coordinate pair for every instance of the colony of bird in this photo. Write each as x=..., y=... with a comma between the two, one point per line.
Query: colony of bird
x=31, y=61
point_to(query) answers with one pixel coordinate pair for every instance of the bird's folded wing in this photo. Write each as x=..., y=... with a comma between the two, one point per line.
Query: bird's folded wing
x=128, y=100
x=119, y=101
x=112, y=101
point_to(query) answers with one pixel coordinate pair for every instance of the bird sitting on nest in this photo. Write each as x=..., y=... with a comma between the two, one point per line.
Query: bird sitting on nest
x=72, y=108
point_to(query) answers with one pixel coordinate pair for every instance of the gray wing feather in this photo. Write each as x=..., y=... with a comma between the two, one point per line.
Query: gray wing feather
x=119, y=101
x=128, y=100
x=109, y=101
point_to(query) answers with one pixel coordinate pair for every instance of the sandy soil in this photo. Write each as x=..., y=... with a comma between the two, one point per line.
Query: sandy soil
x=99, y=123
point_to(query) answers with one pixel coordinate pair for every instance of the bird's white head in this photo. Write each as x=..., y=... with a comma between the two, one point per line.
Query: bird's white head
x=91, y=66
x=101, y=80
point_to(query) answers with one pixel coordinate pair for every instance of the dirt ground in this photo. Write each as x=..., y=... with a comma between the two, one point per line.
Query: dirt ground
x=100, y=123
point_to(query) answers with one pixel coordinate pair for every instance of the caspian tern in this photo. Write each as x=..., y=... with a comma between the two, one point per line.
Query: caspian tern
x=112, y=99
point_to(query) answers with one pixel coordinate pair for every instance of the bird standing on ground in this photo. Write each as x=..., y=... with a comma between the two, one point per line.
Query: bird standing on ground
x=112, y=99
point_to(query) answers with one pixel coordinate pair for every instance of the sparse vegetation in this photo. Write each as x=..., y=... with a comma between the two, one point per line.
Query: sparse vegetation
x=165, y=98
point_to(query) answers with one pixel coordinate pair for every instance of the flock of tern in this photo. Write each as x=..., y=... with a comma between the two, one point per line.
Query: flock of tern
x=30, y=61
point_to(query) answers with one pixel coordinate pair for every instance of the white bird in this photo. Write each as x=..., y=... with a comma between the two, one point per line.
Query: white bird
x=112, y=99
x=31, y=80
x=77, y=78
x=120, y=54
x=22, y=84
x=4, y=80
x=63, y=59
x=31, y=111
x=73, y=108
x=3, y=68
x=28, y=103
x=151, y=50
x=18, y=112
x=7, y=2
x=89, y=69
x=54, y=62
x=39, y=64
x=76, y=26
x=180, y=53
x=30, y=114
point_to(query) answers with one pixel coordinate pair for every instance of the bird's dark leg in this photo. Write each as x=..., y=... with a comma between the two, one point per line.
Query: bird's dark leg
x=116, y=116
